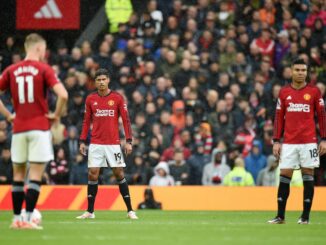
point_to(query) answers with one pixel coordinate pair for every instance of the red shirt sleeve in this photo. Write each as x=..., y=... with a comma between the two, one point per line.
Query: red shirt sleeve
x=4, y=80
x=123, y=111
x=279, y=118
x=320, y=109
x=51, y=78
x=87, y=120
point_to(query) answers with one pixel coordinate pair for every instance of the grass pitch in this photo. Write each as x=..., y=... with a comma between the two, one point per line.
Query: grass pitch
x=165, y=228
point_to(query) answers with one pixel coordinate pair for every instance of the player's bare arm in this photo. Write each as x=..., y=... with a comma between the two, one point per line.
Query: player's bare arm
x=62, y=94
x=322, y=147
x=128, y=148
x=277, y=150
x=6, y=113
x=82, y=148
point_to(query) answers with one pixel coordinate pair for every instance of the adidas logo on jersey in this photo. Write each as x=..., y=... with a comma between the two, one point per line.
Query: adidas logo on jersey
x=49, y=10
x=289, y=97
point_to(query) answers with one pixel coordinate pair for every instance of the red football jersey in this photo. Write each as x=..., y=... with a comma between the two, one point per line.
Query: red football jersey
x=103, y=112
x=28, y=82
x=295, y=114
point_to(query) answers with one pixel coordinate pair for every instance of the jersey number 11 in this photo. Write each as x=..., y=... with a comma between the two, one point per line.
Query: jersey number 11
x=21, y=89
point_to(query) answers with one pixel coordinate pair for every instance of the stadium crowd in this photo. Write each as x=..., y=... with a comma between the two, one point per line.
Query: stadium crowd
x=201, y=79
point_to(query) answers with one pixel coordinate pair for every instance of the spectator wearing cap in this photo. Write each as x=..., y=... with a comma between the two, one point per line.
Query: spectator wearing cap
x=215, y=171
x=196, y=164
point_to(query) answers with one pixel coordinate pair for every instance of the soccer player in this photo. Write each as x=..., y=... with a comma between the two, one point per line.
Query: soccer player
x=103, y=109
x=28, y=82
x=295, y=112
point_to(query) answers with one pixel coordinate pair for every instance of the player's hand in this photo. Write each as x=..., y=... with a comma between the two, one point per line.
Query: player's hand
x=322, y=147
x=82, y=149
x=128, y=148
x=52, y=117
x=277, y=150
x=10, y=118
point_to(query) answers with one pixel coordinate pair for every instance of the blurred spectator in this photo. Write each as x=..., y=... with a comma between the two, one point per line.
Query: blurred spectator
x=70, y=145
x=179, y=169
x=162, y=175
x=149, y=202
x=117, y=12
x=57, y=171
x=137, y=172
x=79, y=171
x=215, y=171
x=177, y=145
x=204, y=136
x=239, y=176
x=6, y=170
x=267, y=176
x=178, y=118
x=256, y=160
x=196, y=164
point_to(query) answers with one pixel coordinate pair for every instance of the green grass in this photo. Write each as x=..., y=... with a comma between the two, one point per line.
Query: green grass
x=165, y=228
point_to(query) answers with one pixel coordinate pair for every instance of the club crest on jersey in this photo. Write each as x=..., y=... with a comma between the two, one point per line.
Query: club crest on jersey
x=307, y=96
x=110, y=102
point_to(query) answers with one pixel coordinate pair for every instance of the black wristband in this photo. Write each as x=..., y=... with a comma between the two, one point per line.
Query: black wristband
x=276, y=141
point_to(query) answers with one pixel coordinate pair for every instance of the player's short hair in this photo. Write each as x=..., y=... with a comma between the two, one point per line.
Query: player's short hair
x=101, y=72
x=33, y=39
x=299, y=62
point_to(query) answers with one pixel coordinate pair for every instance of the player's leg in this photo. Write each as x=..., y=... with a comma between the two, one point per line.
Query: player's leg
x=288, y=162
x=124, y=190
x=19, y=158
x=40, y=152
x=308, y=194
x=33, y=188
x=309, y=159
x=96, y=160
x=92, y=187
x=283, y=191
x=17, y=193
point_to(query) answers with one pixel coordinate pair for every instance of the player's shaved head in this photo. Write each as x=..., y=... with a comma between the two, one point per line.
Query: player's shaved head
x=33, y=39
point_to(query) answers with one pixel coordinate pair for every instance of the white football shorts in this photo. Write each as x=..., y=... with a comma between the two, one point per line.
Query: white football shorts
x=105, y=156
x=294, y=156
x=32, y=146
